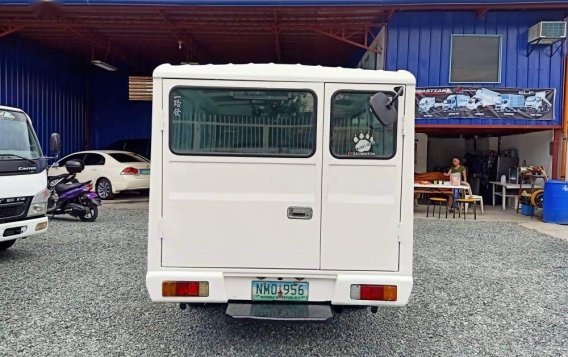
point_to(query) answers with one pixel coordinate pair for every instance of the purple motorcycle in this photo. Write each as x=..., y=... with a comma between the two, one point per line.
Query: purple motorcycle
x=68, y=196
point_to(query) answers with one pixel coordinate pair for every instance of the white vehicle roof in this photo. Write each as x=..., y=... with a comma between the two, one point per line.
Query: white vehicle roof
x=2, y=107
x=283, y=72
x=104, y=152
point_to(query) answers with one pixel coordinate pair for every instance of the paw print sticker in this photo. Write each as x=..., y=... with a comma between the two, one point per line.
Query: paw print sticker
x=363, y=142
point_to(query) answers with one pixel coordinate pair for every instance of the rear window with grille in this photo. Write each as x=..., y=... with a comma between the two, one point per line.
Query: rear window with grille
x=242, y=122
x=355, y=131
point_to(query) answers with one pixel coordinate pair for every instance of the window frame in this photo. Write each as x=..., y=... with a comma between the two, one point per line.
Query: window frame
x=500, y=64
x=64, y=160
x=363, y=157
x=255, y=155
x=129, y=154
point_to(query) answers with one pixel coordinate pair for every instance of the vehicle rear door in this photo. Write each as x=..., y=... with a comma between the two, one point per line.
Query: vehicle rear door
x=242, y=174
x=362, y=169
x=94, y=164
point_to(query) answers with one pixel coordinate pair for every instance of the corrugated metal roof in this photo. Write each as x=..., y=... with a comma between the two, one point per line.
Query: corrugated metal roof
x=146, y=36
x=145, y=33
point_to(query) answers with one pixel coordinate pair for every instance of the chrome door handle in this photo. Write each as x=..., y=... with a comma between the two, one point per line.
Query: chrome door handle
x=300, y=212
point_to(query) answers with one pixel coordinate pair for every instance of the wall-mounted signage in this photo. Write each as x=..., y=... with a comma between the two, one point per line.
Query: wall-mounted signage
x=490, y=103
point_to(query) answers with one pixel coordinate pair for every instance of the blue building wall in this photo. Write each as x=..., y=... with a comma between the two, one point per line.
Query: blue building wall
x=47, y=85
x=420, y=43
x=114, y=116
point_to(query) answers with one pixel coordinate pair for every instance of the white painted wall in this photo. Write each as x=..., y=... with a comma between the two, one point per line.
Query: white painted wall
x=372, y=60
x=532, y=147
x=421, y=153
x=442, y=150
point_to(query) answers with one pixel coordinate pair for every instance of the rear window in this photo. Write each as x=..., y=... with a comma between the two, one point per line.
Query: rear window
x=355, y=132
x=242, y=122
x=122, y=158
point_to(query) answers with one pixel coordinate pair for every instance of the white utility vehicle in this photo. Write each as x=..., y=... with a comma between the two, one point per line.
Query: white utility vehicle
x=455, y=102
x=484, y=98
x=23, y=178
x=427, y=104
x=281, y=190
x=538, y=102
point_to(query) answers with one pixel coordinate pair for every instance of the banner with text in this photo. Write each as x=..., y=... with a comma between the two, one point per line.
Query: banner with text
x=476, y=102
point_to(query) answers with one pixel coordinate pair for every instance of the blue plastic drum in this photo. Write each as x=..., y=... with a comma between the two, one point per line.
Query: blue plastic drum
x=555, y=205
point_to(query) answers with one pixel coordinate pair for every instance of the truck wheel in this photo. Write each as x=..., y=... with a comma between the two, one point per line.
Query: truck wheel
x=104, y=189
x=6, y=244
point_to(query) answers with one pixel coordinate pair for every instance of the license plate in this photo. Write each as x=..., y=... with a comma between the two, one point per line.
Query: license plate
x=279, y=291
x=145, y=172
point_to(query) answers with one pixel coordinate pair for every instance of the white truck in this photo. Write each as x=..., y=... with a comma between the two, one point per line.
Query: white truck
x=427, y=104
x=455, y=102
x=484, y=98
x=281, y=190
x=511, y=102
x=537, y=102
x=23, y=178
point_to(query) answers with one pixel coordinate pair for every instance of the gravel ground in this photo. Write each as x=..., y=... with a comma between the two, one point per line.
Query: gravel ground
x=480, y=289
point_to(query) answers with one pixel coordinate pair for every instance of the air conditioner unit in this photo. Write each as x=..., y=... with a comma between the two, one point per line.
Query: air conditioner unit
x=547, y=32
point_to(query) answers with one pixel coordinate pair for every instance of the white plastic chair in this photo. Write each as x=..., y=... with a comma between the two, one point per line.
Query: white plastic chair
x=469, y=194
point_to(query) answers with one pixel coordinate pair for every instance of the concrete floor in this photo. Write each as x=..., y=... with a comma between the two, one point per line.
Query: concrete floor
x=491, y=214
x=496, y=214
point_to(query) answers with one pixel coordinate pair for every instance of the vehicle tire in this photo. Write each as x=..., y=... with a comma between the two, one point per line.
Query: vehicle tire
x=6, y=244
x=104, y=189
x=92, y=215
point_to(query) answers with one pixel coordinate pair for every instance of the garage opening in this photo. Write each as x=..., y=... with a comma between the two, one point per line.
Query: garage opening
x=491, y=156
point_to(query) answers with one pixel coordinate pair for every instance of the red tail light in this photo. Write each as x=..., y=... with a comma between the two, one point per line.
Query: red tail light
x=130, y=171
x=374, y=292
x=185, y=288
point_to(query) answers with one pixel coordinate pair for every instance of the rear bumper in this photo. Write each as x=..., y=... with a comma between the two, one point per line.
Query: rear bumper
x=134, y=182
x=324, y=287
x=28, y=227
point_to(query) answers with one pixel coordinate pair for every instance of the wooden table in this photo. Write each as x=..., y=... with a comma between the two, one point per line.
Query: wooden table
x=509, y=186
x=439, y=187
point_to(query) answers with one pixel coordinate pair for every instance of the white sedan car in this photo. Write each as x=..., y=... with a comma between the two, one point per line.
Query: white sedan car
x=110, y=171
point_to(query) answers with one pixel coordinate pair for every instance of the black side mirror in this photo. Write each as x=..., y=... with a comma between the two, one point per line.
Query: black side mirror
x=383, y=107
x=55, y=144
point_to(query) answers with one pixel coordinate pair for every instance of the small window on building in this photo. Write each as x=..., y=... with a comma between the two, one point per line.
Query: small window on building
x=475, y=59
x=242, y=122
